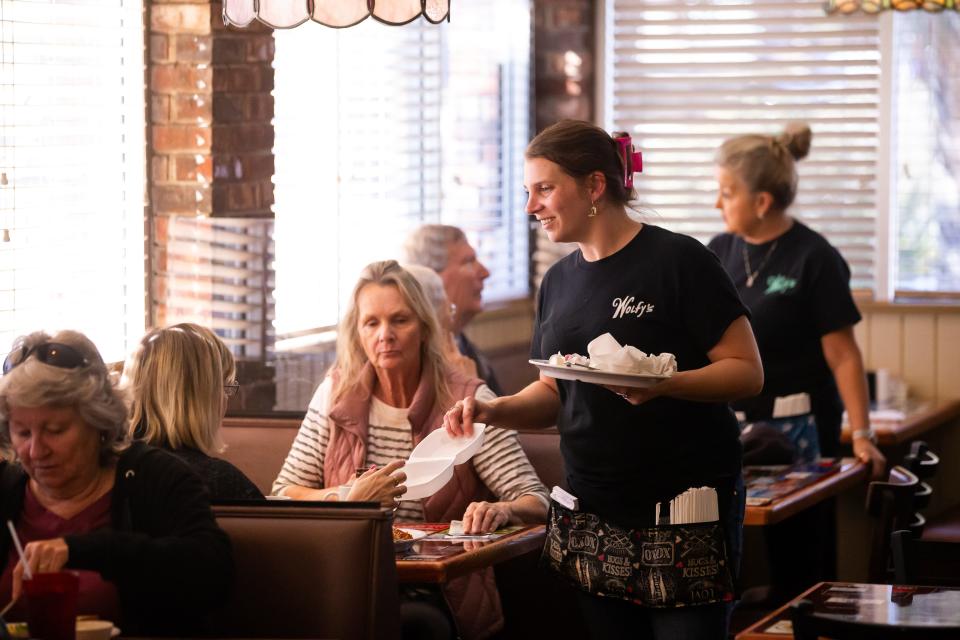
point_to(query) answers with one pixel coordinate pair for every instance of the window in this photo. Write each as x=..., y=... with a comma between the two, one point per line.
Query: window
x=682, y=78
x=380, y=129
x=71, y=170
x=881, y=184
x=926, y=142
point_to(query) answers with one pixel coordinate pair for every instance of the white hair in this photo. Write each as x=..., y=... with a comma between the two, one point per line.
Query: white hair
x=429, y=245
x=432, y=286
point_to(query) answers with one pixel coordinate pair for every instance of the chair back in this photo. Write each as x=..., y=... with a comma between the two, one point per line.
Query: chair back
x=890, y=503
x=921, y=460
x=925, y=562
x=923, y=463
x=310, y=570
x=808, y=625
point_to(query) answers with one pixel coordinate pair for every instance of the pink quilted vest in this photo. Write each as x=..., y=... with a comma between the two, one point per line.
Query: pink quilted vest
x=473, y=598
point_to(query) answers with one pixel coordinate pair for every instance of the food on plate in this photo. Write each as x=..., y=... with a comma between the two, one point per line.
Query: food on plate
x=570, y=359
x=400, y=535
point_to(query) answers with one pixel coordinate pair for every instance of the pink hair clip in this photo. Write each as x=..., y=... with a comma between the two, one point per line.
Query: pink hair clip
x=631, y=158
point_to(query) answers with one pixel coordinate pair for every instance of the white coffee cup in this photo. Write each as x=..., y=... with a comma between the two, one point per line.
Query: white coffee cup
x=94, y=629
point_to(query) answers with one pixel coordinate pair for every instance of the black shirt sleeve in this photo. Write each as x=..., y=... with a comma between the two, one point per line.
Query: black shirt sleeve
x=832, y=305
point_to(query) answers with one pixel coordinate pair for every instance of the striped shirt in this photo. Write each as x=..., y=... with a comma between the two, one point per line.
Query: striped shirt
x=501, y=463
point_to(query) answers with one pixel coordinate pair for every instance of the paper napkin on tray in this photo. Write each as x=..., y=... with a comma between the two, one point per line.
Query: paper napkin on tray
x=607, y=354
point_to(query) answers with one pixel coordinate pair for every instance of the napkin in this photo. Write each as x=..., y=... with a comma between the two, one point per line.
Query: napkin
x=607, y=354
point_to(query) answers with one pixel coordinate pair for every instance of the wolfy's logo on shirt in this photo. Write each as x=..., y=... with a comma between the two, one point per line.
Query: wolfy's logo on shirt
x=779, y=284
x=630, y=306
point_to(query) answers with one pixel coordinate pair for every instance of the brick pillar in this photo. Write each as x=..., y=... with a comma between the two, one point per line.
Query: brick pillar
x=210, y=113
x=211, y=169
x=242, y=119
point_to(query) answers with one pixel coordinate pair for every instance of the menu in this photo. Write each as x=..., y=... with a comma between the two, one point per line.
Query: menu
x=766, y=483
x=441, y=544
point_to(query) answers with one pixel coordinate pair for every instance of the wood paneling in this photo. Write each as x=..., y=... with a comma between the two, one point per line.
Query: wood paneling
x=919, y=343
x=948, y=356
x=920, y=354
x=886, y=345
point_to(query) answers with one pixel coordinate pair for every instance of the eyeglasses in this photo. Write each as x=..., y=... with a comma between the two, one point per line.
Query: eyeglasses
x=55, y=354
x=231, y=388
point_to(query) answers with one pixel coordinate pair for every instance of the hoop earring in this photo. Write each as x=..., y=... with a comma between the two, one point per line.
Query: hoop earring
x=593, y=212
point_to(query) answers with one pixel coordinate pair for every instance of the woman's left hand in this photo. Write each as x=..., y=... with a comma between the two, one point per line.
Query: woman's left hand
x=485, y=517
x=867, y=453
x=43, y=556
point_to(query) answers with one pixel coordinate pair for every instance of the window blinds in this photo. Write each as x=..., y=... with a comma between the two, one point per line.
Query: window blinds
x=682, y=78
x=215, y=272
x=71, y=170
x=380, y=129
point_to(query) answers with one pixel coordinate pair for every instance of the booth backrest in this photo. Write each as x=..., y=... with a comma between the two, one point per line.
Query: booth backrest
x=258, y=446
x=310, y=570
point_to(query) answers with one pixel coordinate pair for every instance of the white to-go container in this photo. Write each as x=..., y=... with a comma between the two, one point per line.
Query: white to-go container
x=430, y=465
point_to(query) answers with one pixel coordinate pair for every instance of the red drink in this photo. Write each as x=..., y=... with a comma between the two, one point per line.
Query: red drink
x=52, y=605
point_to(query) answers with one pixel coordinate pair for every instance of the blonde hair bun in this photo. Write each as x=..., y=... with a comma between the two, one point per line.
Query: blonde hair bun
x=796, y=137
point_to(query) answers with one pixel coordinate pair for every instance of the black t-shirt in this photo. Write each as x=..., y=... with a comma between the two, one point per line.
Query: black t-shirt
x=223, y=480
x=801, y=293
x=663, y=292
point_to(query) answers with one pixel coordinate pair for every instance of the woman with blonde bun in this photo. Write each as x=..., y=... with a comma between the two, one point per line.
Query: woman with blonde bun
x=797, y=287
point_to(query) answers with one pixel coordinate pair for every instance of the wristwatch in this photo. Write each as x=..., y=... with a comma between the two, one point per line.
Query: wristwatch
x=869, y=434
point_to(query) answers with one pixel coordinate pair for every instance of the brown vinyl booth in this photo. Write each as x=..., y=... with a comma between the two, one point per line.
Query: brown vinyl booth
x=310, y=570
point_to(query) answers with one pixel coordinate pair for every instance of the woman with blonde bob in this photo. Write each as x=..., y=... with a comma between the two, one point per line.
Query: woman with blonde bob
x=130, y=520
x=179, y=379
x=385, y=393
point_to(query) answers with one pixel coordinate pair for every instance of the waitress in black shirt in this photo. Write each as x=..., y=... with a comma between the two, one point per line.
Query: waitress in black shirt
x=625, y=449
x=797, y=287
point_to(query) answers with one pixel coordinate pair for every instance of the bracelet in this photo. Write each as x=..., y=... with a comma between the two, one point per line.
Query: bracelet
x=869, y=434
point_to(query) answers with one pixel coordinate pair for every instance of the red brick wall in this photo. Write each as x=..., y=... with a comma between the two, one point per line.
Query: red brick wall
x=210, y=112
x=210, y=156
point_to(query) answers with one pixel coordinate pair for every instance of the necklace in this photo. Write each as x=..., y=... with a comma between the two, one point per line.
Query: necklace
x=751, y=273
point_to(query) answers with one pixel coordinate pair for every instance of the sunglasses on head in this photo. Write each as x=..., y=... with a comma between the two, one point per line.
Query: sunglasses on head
x=55, y=354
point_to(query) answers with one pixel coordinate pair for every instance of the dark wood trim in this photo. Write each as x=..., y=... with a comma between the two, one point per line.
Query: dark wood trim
x=261, y=422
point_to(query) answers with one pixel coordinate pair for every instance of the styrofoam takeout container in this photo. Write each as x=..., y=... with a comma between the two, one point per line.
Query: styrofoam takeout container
x=440, y=444
x=426, y=477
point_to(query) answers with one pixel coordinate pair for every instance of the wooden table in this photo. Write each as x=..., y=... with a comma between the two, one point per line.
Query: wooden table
x=899, y=606
x=852, y=472
x=918, y=418
x=438, y=561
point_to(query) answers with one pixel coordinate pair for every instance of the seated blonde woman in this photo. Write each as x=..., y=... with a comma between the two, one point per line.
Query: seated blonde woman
x=387, y=390
x=179, y=379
